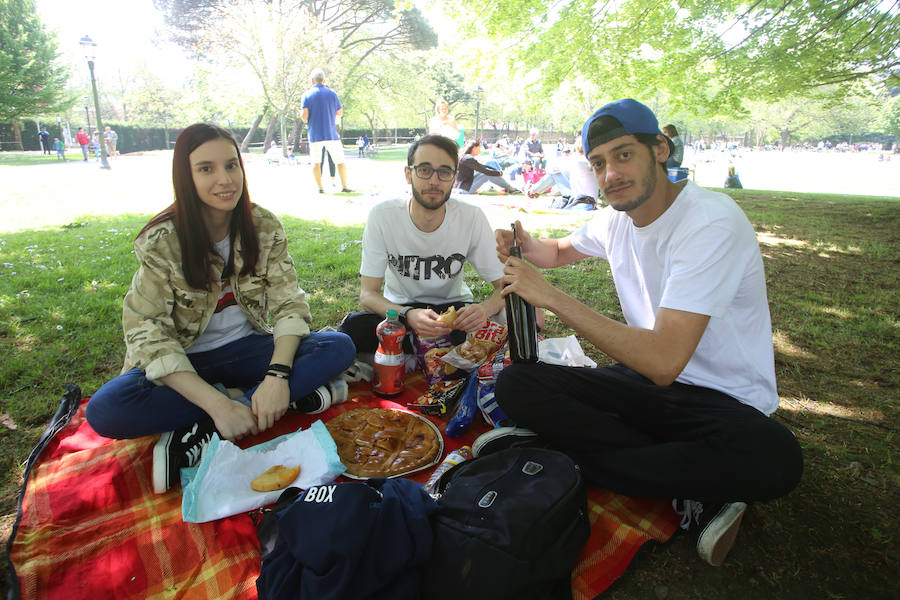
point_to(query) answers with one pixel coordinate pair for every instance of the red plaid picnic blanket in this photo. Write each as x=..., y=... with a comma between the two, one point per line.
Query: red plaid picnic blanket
x=91, y=527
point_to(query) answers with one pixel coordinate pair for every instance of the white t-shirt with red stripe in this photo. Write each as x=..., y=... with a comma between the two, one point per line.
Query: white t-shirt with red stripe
x=228, y=323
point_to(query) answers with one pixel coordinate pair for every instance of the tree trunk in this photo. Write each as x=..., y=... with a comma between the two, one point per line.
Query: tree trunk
x=270, y=131
x=246, y=141
x=17, y=133
x=295, y=136
x=283, y=133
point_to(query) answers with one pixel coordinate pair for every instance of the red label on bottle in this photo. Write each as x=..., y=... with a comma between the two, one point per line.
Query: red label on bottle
x=388, y=379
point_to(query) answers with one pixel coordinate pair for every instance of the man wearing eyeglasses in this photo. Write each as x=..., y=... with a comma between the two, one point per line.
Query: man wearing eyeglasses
x=414, y=250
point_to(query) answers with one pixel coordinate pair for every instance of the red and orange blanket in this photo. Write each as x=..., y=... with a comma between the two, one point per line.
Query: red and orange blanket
x=90, y=526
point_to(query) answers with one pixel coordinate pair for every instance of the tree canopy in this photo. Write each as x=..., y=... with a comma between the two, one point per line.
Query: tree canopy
x=700, y=53
x=31, y=83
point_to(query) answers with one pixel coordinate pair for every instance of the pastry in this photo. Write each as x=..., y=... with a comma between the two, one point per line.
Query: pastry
x=379, y=442
x=448, y=317
x=275, y=478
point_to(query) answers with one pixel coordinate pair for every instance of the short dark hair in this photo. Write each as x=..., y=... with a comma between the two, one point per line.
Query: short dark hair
x=671, y=129
x=650, y=140
x=444, y=143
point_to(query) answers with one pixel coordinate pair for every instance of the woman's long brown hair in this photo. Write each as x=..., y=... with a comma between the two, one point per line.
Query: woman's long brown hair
x=186, y=212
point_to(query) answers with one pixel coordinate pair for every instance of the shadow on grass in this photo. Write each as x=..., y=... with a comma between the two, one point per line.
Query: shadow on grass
x=832, y=269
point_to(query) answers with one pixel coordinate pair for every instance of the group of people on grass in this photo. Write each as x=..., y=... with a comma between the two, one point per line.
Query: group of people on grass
x=218, y=333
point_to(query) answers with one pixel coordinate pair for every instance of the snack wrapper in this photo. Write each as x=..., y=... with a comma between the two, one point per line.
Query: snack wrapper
x=487, y=377
x=440, y=398
x=479, y=345
x=428, y=354
x=219, y=486
x=466, y=409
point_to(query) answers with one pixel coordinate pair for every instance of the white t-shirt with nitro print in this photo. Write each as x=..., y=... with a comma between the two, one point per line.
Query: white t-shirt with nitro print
x=419, y=266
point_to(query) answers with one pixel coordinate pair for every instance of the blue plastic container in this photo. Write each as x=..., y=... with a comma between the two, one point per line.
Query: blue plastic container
x=678, y=173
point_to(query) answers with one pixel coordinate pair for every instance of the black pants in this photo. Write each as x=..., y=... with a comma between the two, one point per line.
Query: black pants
x=360, y=326
x=636, y=438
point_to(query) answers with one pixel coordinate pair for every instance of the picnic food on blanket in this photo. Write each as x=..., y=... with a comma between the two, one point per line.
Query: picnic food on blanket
x=381, y=442
x=275, y=478
x=487, y=377
x=448, y=316
x=428, y=355
x=479, y=345
x=440, y=398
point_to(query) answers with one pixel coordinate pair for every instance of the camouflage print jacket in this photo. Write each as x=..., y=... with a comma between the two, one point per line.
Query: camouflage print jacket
x=162, y=315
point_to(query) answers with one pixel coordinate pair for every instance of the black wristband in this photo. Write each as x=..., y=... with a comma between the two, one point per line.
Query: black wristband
x=281, y=368
x=277, y=374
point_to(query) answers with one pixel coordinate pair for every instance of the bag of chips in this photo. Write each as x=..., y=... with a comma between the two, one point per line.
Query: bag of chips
x=487, y=377
x=479, y=345
x=429, y=351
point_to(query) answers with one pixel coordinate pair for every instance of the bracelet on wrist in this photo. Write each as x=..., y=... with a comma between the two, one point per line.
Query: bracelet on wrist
x=278, y=375
x=281, y=368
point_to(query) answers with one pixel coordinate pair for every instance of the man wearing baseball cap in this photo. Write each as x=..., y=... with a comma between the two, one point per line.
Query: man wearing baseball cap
x=684, y=414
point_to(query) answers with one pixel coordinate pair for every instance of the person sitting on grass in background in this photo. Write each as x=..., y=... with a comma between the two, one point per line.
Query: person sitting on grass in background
x=201, y=355
x=733, y=181
x=534, y=150
x=468, y=181
x=685, y=412
x=416, y=247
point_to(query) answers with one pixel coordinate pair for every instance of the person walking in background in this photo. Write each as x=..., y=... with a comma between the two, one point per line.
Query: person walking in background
x=84, y=141
x=677, y=157
x=320, y=109
x=60, y=149
x=217, y=329
x=44, y=136
x=112, y=139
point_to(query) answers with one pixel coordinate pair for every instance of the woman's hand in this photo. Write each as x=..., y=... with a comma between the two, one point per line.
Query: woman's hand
x=270, y=401
x=234, y=420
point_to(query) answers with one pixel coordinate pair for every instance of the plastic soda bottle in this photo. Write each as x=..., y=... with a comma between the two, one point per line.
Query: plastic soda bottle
x=453, y=459
x=389, y=360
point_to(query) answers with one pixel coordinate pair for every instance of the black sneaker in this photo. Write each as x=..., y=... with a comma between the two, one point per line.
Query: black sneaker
x=502, y=438
x=179, y=449
x=319, y=400
x=719, y=525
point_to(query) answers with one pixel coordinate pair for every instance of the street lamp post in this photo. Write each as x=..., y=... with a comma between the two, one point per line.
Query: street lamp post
x=87, y=115
x=89, y=49
x=478, y=91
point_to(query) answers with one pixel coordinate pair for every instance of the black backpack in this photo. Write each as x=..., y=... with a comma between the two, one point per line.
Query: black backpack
x=509, y=525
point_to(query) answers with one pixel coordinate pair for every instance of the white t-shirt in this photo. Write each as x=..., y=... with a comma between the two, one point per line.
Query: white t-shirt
x=419, y=266
x=228, y=323
x=581, y=177
x=700, y=256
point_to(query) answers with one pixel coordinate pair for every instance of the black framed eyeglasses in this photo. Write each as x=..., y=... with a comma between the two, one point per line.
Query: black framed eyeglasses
x=425, y=171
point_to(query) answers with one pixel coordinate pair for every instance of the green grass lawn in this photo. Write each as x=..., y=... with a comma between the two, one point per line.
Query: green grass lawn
x=832, y=268
x=18, y=159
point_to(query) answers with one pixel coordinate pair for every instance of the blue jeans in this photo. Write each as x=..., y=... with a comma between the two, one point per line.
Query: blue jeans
x=132, y=406
x=480, y=179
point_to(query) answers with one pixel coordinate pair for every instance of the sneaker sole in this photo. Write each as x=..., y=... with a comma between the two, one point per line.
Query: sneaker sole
x=161, y=463
x=501, y=432
x=719, y=535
